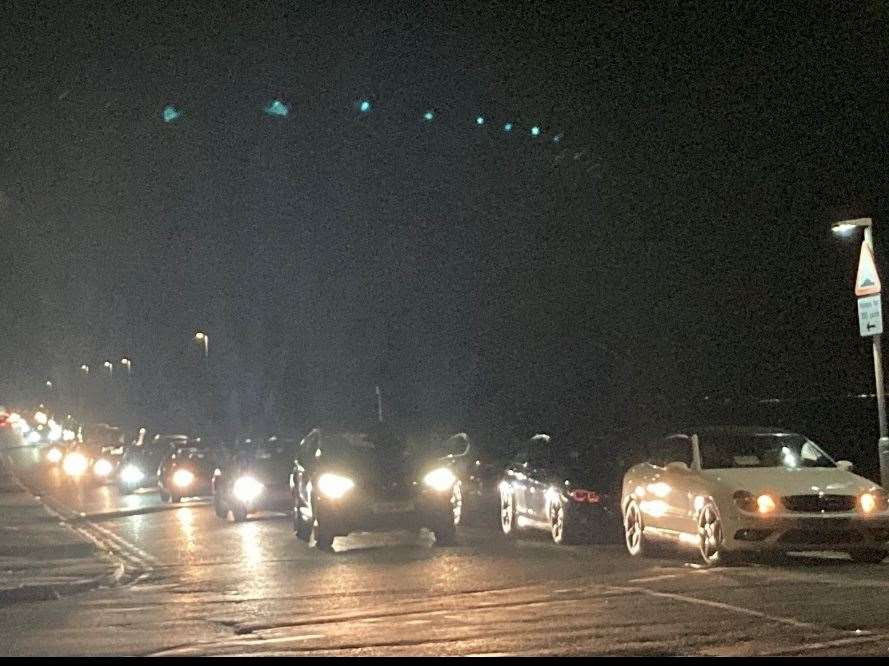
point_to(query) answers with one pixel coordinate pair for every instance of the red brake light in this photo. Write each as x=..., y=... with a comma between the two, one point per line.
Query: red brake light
x=590, y=496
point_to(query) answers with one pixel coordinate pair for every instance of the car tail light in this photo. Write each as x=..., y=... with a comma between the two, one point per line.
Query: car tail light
x=590, y=496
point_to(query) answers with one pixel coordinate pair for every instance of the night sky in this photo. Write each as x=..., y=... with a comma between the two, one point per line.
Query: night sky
x=481, y=279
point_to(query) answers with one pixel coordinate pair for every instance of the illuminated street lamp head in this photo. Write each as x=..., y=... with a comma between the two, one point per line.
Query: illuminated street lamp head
x=48, y=384
x=846, y=226
x=125, y=361
x=199, y=336
x=85, y=368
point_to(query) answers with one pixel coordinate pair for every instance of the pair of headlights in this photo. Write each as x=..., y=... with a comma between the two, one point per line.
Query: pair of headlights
x=766, y=504
x=335, y=486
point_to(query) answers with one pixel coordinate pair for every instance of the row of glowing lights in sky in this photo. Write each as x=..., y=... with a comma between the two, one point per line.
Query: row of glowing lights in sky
x=279, y=109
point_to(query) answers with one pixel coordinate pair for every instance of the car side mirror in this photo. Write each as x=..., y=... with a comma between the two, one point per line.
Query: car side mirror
x=845, y=465
x=677, y=466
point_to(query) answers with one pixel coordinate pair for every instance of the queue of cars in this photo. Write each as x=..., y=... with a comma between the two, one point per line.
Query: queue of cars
x=722, y=492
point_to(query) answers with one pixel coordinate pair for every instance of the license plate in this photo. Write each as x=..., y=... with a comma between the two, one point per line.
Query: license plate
x=393, y=507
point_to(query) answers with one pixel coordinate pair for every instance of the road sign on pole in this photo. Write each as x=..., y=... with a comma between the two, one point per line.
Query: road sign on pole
x=870, y=316
x=867, y=281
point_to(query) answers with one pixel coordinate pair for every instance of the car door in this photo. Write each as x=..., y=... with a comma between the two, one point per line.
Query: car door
x=671, y=490
x=537, y=478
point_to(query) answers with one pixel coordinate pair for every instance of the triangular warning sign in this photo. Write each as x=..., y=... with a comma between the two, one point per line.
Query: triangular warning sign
x=867, y=281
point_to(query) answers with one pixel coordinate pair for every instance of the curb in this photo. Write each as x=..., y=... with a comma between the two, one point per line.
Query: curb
x=52, y=592
x=125, y=569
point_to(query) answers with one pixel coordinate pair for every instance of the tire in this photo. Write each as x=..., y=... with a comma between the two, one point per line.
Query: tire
x=507, y=514
x=446, y=535
x=634, y=530
x=457, y=504
x=302, y=529
x=219, y=506
x=711, y=536
x=868, y=555
x=239, y=513
x=164, y=496
x=562, y=532
x=323, y=538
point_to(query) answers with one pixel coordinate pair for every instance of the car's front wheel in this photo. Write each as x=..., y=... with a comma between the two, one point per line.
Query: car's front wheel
x=868, y=555
x=165, y=496
x=457, y=503
x=711, y=536
x=302, y=528
x=239, y=513
x=507, y=513
x=323, y=537
x=562, y=531
x=634, y=535
x=219, y=506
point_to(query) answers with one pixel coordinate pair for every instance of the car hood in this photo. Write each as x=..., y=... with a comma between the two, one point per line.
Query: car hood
x=791, y=481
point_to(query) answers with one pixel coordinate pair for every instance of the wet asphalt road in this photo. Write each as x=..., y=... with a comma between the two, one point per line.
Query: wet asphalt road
x=199, y=585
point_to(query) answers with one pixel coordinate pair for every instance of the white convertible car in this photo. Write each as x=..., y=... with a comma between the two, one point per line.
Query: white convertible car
x=726, y=490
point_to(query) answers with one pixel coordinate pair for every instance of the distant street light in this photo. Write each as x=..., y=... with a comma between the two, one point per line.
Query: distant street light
x=49, y=385
x=85, y=369
x=204, y=339
x=128, y=364
x=843, y=228
x=110, y=366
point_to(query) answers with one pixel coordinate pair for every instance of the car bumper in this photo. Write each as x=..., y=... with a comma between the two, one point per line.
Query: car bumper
x=370, y=515
x=269, y=500
x=808, y=532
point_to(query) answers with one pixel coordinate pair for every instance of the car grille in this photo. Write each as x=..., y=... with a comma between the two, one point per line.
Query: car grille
x=819, y=503
x=813, y=538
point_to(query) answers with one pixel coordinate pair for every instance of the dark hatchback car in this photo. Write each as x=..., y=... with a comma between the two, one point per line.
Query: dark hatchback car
x=255, y=477
x=187, y=472
x=565, y=489
x=141, y=460
x=345, y=481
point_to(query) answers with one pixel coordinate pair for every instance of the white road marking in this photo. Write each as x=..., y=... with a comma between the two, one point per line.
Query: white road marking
x=722, y=606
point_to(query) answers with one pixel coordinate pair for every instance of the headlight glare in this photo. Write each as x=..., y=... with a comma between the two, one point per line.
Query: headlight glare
x=440, y=479
x=54, y=455
x=765, y=504
x=872, y=502
x=75, y=464
x=334, y=486
x=183, y=478
x=131, y=474
x=102, y=467
x=247, y=489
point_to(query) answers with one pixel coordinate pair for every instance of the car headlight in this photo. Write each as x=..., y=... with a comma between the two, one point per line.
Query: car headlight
x=765, y=504
x=872, y=501
x=440, y=479
x=102, y=467
x=334, y=486
x=33, y=437
x=75, y=464
x=183, y=478
x=54, y=455
x=131, y=474
x=247, y=489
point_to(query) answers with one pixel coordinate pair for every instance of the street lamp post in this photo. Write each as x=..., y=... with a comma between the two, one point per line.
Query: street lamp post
x=204, y=339
x=110, y=366
x=844, y=227
x=128, y=364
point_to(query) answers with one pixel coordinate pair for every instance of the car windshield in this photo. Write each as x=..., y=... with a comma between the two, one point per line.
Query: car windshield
x=727, y=450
